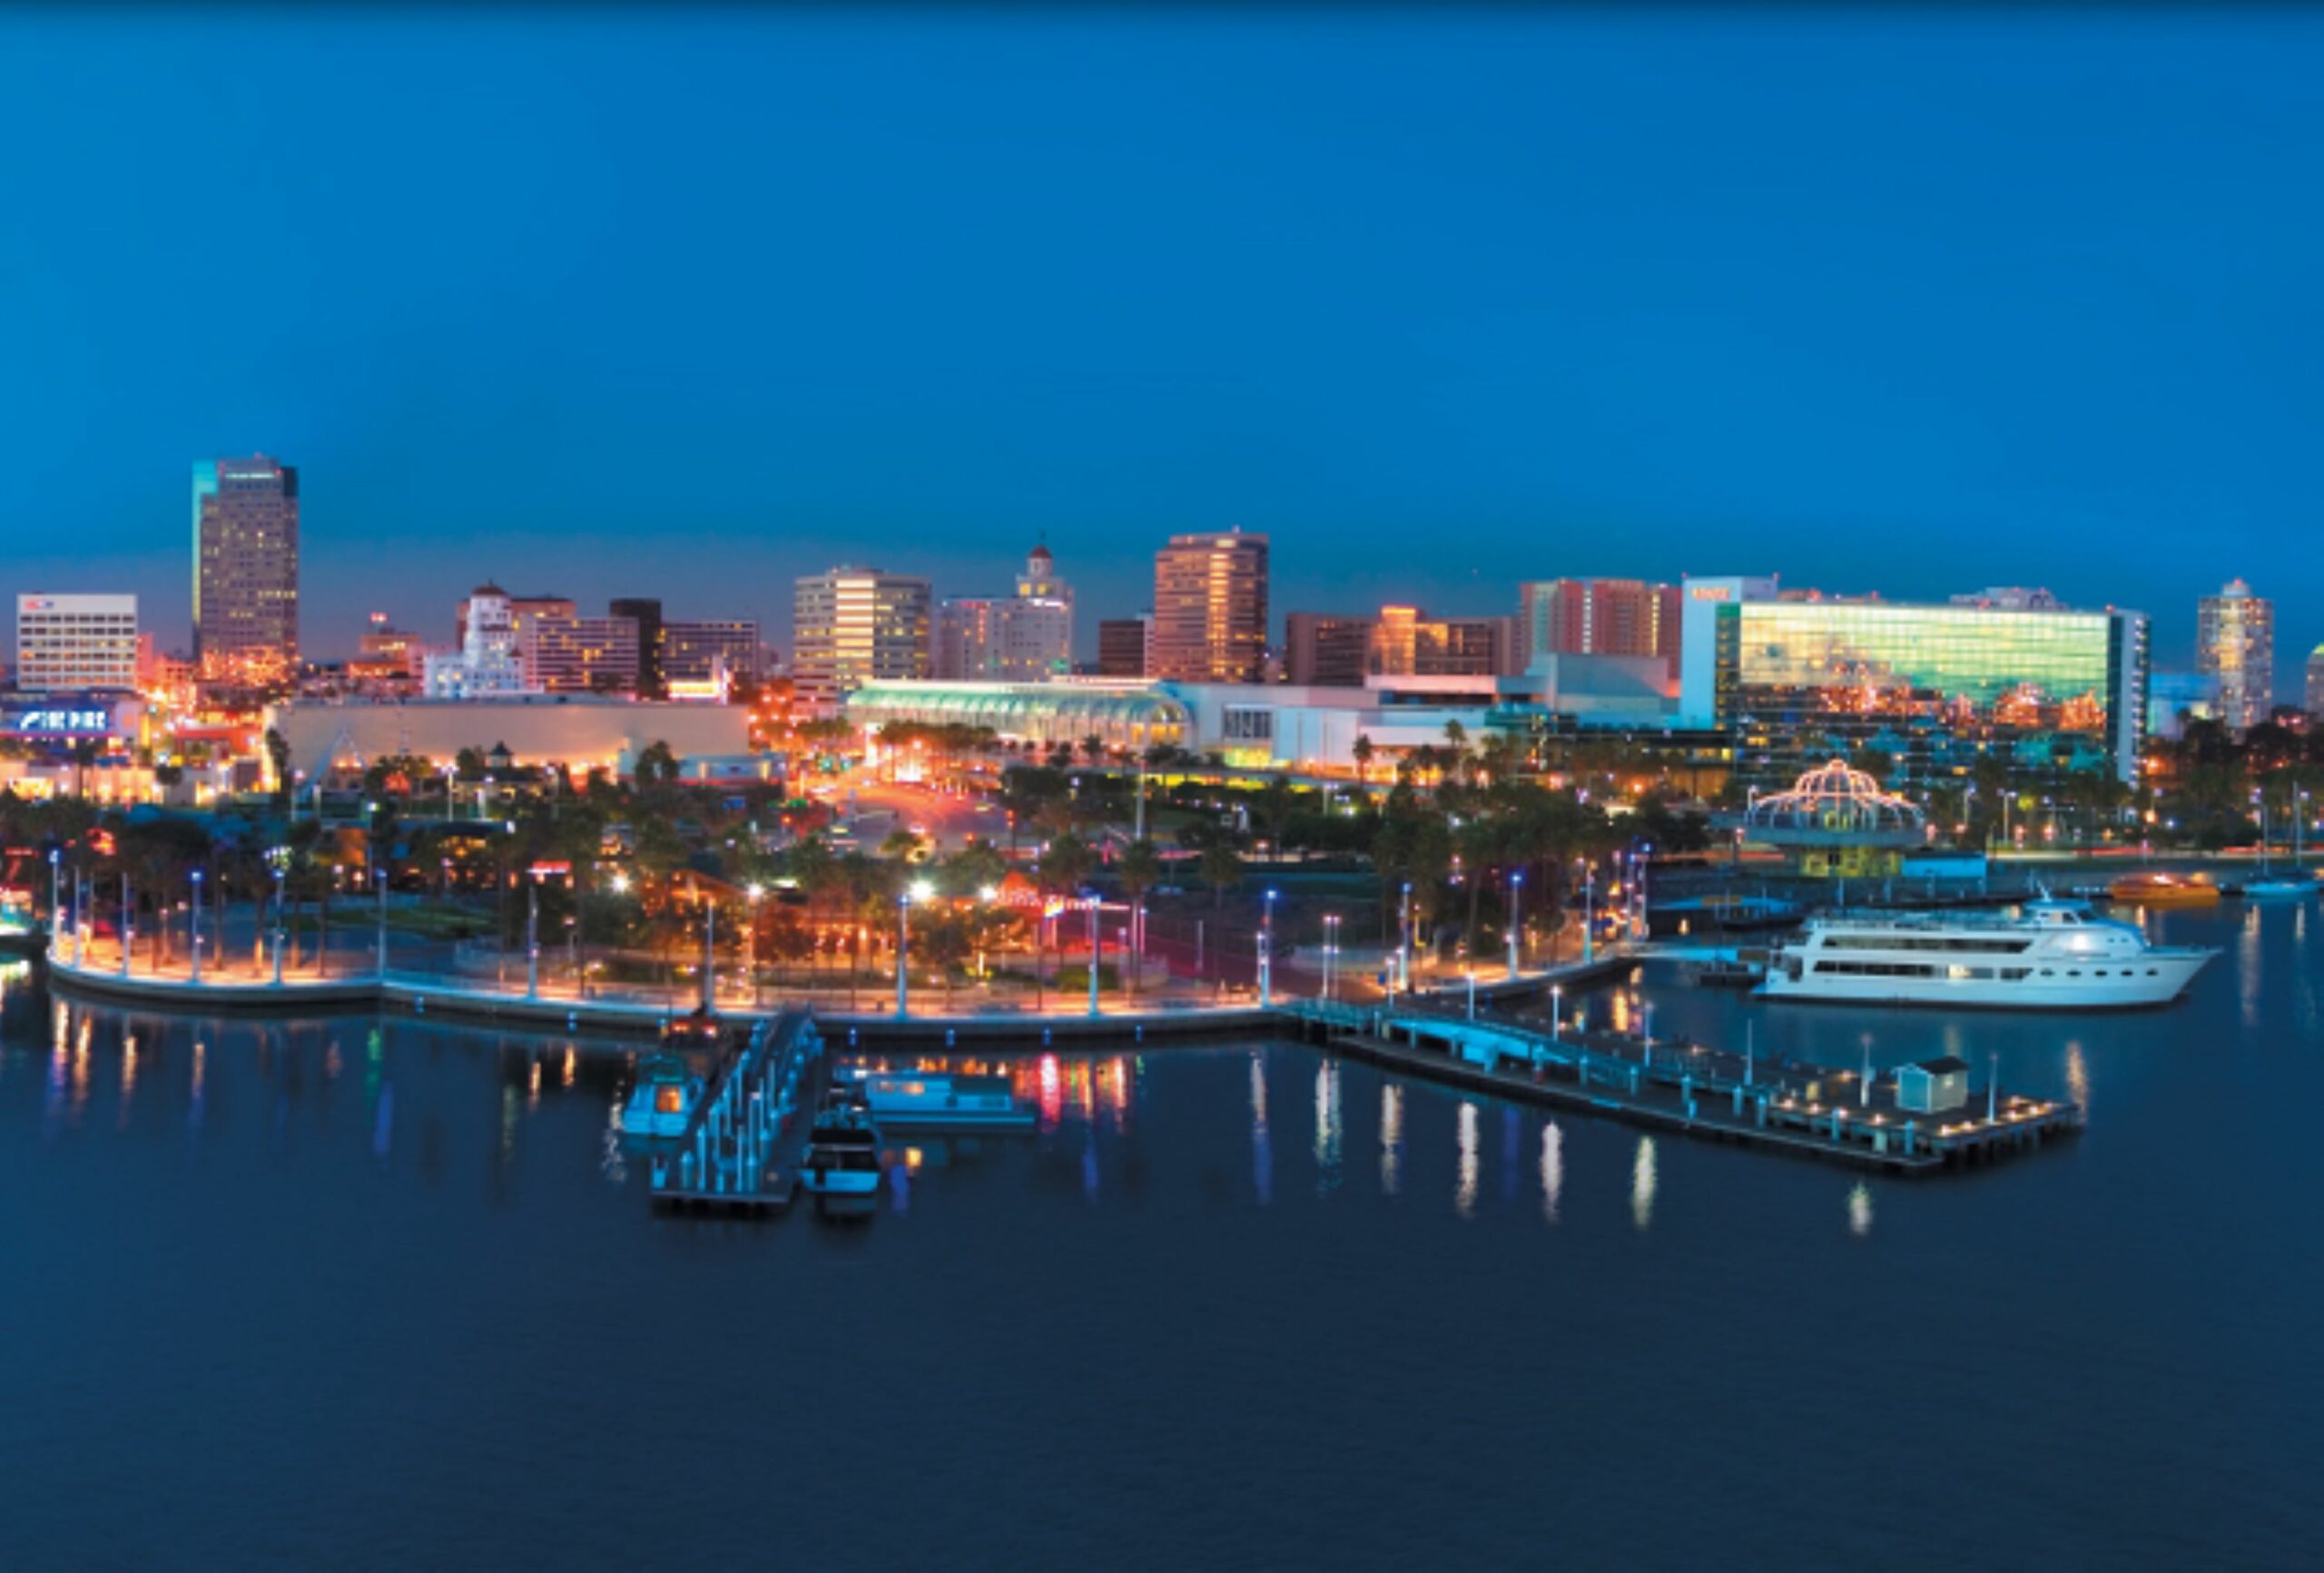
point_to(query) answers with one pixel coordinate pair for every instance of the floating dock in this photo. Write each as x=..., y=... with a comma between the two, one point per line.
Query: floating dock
x=1807, y=1111
x=740, y=1152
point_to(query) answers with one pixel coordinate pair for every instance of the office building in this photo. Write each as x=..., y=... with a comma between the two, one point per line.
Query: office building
x=1797, y=681
x=577, y=654
x=2175, y=698
x=1598, y=617
x=2235, y=642
x=1027, y=637
x=524, y=611
x=246, y=569
x=646, y=612
x=1323, y=650
x=76, y=644
x=1405, y=642
x=853, y=625
x=702, y=658
x=1124, y=645
x=1210, y=608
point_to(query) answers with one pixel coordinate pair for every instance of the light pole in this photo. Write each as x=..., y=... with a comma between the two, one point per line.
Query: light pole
x=751, y=944
x=278, y=917
x=1516, y=901
x=127, y=926
x=1589, y=899
x=1097, y=947
x=55, y=893
x=1267, y=954
x=195, y=934
x=1557, y=1009
x=532, y=937
x=904, y=951
x=1331, y=950
x=1405, y=943
x=988, y=895
x=379, y=899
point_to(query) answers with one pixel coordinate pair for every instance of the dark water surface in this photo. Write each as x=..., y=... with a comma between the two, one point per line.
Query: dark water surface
x=347, y=1290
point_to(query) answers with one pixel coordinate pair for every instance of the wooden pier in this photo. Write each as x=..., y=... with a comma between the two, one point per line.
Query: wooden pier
x=1808, y=1111
x=740, y=1152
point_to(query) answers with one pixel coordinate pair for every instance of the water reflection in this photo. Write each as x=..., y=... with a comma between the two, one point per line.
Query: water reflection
x=1860, y=1210
x=1262, y=1148
x=1327, y=1127
x=1642, y=1183
x=1553, y=1170
x=1391, y=1137
x=1464, y=1195
x=2077, y=1074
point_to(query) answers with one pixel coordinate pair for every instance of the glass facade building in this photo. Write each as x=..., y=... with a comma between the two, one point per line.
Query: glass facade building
x=1933, y=687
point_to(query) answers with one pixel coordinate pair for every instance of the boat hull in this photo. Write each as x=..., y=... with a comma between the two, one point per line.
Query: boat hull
x=2156, y=980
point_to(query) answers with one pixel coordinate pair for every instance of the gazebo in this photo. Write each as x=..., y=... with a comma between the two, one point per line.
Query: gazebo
x=1838, y=820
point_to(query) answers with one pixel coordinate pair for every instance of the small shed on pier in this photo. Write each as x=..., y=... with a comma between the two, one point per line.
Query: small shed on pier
x=1932, y=1087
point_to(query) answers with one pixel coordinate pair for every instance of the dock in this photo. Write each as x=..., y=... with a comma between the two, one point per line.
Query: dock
x=1778, y=1105
x=740, y=1152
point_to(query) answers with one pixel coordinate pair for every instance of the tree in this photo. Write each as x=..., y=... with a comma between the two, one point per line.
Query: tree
x=1066, y=865
x=1222, y=868
x=1363, y=751
x=657, y=764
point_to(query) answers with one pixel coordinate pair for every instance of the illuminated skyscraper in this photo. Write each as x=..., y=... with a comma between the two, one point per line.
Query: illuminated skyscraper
x=246, y=568
x=1027, y=637
x=2235, y=642
x=854, y=626
x=1210, y=608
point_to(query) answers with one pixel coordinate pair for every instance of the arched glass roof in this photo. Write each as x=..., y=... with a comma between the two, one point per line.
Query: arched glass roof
x=1015, y=707
x=1832, y=801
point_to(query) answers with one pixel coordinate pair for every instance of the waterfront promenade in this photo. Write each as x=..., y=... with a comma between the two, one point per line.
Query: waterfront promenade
x=429, y=978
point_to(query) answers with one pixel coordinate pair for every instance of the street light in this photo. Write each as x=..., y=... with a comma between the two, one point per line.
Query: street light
x=1516, y=899
x=196, y=962
x=1267, y=954
x=751, y=942
x=1405, y=943
x=1331, y=950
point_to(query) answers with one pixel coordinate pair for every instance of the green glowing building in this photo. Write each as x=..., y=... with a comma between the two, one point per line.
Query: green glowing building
x=1797, y=681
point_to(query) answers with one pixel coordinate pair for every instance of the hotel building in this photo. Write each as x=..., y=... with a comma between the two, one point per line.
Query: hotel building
x=1124, y=645
x=1796, y=679
x=246, y=568
x=1598, y=617
x=1027, y=637
x=76, y=644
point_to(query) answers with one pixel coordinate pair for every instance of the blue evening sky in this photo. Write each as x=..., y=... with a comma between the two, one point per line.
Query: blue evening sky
x=607, y=303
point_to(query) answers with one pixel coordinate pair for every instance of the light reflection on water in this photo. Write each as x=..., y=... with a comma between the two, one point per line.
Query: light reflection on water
x=1327, y=1127
x=1642, y=1183
x=1860, y=1210
x=1464, y=1194
x=1391, y=1137
x=1553, y=1170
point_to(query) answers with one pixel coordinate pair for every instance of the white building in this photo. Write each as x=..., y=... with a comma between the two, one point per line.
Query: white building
x=1027, y=637
x=489, y=663
x=76, y=644
x=854, y=626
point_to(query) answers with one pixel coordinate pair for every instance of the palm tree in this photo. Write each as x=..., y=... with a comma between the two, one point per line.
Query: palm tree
x=1363, y=751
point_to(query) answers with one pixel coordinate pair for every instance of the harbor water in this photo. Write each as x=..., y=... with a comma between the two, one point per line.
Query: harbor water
x=354, y=1290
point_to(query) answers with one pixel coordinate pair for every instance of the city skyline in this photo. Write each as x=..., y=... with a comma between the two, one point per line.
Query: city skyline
x=1536, y=370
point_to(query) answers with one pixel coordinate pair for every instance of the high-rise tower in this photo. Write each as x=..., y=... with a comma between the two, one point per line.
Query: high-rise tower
x=246, y=568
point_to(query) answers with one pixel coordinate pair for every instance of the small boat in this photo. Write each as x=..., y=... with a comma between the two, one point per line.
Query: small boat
x=20, y=930
x=663, y=1100
x=2279, y=888
x=2162, y=891
x=842, y=1147
x=939, y=1099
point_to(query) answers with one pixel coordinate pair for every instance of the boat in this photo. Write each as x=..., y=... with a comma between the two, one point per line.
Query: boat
x=2270, y=886
x=2157, y=890
x=663, y=1099
x=842, y=1147
x=2051, y=957
x=941, y=1099
x=21, y=932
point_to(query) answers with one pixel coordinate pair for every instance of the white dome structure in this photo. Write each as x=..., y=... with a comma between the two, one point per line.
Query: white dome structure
x=1835, y=805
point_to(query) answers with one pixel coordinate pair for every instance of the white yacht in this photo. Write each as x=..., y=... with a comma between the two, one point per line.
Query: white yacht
x=2052, y=955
